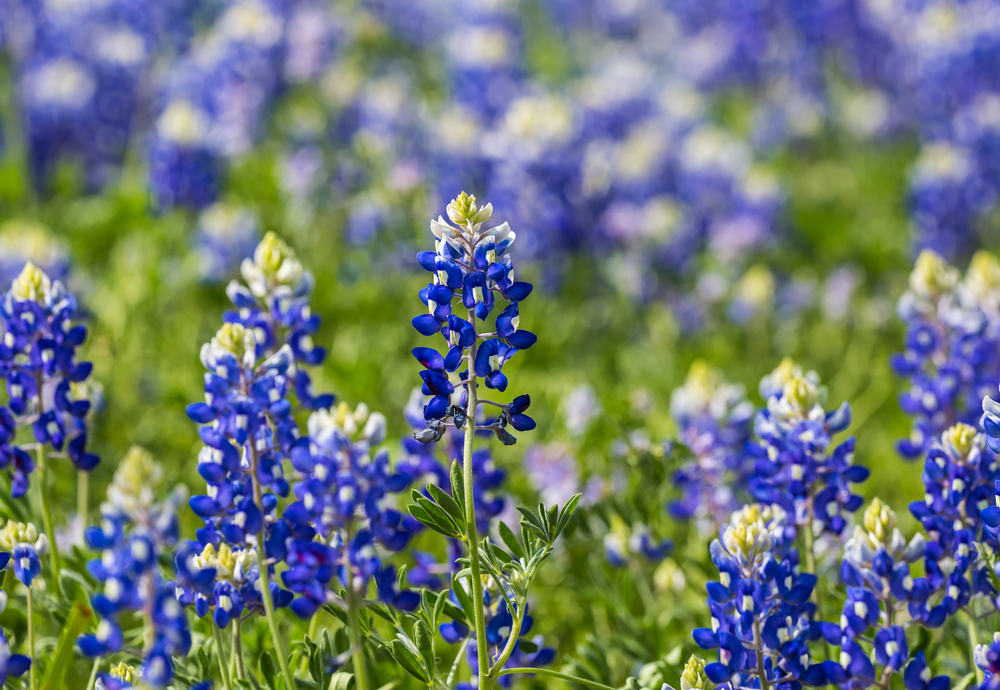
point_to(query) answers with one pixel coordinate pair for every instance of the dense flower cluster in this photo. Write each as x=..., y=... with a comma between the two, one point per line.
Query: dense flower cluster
x=474, y=264
x=795, y=467
x=713, y=422
x=21, y=545
x=340, y=515
x=952, y=356
x=136, y=530
x=762, y=616
x=876, y=570
x=253, y=365
x=47, y=386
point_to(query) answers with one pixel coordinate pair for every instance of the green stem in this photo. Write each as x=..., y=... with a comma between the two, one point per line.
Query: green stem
x=240, y=671
x=811, y=566
x=93, y=673
x=471, y=534
x=556, y=674
x=264, y=579
x=357, y=654
x=220, y=650
x=515, y=633
x=973, y=640
x=761, y=671
x=47, y=514
x=31, y=640
x=82, y=499
x=311, y=634
x=458, y=660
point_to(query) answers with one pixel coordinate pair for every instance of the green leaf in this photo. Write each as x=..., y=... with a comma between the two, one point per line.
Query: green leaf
x=424, y=640
x=449, y=504
x=510, y=540
x=463, y=599
x=532, y=522
x=434, y=517
x=79, y=618
x=406, y=658
x=458, y=485
x=342, y=680
x=267, y=667
x=442, y=598
x=964, y=682
x=567, y=513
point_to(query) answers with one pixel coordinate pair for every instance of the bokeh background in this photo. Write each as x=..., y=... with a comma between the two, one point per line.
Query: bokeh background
x=726, y=180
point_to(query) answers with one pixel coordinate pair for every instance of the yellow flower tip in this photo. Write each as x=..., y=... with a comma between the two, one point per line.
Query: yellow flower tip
x=694, y=677
x=960, y=439
x=124, y=672
x=31, y=285
x=14, y=533
x=236, y=339
x=879, y=521
x=932, y=276
x=983, y=276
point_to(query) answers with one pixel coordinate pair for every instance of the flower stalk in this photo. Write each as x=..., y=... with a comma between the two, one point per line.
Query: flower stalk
x=471, y=533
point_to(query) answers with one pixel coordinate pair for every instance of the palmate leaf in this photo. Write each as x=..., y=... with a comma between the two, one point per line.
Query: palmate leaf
x=443, y=514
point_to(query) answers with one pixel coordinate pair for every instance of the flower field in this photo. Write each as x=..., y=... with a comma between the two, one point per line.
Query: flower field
x=615, y=344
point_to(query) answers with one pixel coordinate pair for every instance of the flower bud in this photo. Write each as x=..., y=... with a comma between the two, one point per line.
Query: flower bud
x=932, y=276
x=124, y=672
x=959, y=440
x=694, y=677
x=31, y=285
x=133, y=488
x=879, y=521
x=14, y=533
x=462, y=209
x=982, y=280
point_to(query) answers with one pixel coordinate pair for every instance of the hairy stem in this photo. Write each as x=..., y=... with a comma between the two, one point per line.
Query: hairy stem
x=450, y=682
x=556, y=674
x=515, y=633
x=357, y=654
x=758, y=647
x=220, y=650
x=471, y=534
x=31, y=641
x=264, y=578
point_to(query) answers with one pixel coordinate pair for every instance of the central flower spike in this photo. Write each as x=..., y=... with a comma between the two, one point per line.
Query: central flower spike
x=472, y=263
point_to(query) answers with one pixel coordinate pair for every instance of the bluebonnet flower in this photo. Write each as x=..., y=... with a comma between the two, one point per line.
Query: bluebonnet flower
x=795, y=466
x=254, y=368
x=341, y=516
x=959, y=476
x=952, y=356
x=762, y=616
x=876, y=570
x=987, y=658
x=475, y=264
x=11, y=665
x=713, y=421
x=23, y=545
x=44, y=379
x=223, y=581
x=135, y=531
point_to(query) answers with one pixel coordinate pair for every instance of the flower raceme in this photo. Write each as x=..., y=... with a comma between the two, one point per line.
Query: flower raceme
x=473, y=265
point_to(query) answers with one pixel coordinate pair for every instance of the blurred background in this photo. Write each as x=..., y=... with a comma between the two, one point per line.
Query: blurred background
x=722, y=180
